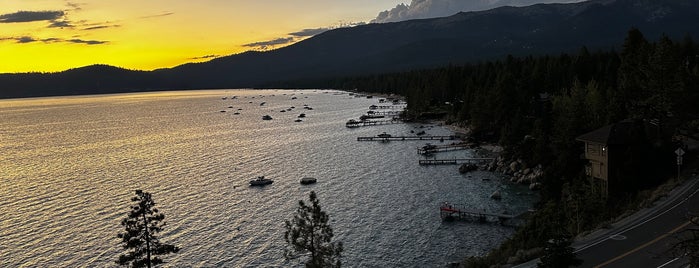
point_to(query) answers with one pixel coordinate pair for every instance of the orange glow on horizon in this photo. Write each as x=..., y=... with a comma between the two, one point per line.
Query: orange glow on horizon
x=51, y=36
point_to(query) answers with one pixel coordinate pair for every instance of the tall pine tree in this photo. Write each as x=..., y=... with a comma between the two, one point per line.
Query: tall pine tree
x=141, y=226
x=309, y=232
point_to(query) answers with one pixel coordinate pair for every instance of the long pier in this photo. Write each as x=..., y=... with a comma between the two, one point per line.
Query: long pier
x=364, y=123
x=406, y=138
x=430, y=148
x=385, y=113
x=453, y=161
x=385, y=107
x=449, y=212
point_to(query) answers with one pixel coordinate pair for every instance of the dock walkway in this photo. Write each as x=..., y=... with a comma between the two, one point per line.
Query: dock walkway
x=364, y=123
x=406, y=138
x=453, y=161
x=430, y=148
x=449, y=212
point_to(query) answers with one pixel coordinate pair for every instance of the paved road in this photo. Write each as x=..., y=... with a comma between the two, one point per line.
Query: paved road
x=643, y=239
x=646, y=242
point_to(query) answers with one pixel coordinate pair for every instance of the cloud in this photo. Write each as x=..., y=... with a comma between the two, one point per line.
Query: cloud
x=157, y=15
x=87, y=42
x=29, y=16
x=264, y=45
x=29, y=39
x=75, y=6
x=99, y=26
x=205, y=57
x=420, y=9
x=61, y=24
x=309, y=32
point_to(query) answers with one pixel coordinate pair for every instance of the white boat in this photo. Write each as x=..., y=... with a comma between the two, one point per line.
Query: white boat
x=260, y=181
x=308, y=180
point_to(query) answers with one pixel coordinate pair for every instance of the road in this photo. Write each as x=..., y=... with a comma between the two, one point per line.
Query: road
x=643, y=239
x=645, y=242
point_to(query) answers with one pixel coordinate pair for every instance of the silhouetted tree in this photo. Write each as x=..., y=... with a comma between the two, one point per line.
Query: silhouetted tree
x=309, y=232
x=558, y=254
x=142, y=225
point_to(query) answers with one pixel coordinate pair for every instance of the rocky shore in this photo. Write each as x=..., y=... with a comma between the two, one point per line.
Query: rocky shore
x=515, y=169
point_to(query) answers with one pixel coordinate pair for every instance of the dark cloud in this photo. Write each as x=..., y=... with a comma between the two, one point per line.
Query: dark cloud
x=309, y=32
x=205, y=57
x=98, y=27
x=26, y=39
x=158, y=15
x=29, y=39
x=61, y=24
x=420, y=9
x=29, y=16
x=87, y=42
x=264, y=45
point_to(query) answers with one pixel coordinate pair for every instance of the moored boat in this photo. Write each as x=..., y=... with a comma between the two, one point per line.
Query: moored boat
x=260, y=181
x=308, y=180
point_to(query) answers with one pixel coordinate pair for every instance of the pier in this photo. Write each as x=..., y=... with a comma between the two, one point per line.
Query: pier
x=386, y=107
x=384, y=137
x=354, y=123
x=384, y=113
x=453, y=161
x=430, y=148
x=450, y=212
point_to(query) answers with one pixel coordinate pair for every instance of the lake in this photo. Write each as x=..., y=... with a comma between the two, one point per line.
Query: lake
x=70, y=166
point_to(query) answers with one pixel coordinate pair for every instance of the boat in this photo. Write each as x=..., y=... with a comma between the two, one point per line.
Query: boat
x=302, y=115
x=266, y=117
x=384, y=135
x=260, y=181
x=298, y=120
x=308, y=180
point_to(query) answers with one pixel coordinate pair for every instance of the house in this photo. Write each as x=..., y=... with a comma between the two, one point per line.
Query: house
x=610, y=151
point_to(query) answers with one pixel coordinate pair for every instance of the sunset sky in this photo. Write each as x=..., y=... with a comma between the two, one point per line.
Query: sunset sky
x=55, y=35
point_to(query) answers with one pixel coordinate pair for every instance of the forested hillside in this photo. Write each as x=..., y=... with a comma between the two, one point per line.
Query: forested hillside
x=536, y=106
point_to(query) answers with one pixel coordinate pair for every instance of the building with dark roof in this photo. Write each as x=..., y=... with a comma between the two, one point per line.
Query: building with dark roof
x=607, y=149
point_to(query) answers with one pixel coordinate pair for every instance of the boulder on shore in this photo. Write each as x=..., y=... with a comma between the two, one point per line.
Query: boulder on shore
x=467, y=167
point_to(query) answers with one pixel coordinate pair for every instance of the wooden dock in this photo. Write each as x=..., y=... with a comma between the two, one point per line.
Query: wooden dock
x=430, y=148
x=450, y=212
x=453, y=161
x=408, y=138
x=385, y=113
x=386, y=107
x=364, y=123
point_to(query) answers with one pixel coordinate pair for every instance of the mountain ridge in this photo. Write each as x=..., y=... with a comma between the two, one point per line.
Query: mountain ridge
x=465, y=37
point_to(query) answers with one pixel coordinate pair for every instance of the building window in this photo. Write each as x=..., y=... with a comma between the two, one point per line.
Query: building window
x=592, y=149
x=604, y=150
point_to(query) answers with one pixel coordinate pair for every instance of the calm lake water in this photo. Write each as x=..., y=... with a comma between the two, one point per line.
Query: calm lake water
x=71, y=164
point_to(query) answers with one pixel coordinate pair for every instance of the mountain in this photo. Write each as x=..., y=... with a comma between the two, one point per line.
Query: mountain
x=372, y=48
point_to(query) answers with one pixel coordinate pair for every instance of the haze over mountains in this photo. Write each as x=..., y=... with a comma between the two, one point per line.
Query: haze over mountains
x=462, y=38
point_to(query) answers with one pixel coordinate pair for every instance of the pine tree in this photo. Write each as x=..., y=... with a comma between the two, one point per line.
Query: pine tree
x=309, y=232
x=142, y=225
x=558, y=254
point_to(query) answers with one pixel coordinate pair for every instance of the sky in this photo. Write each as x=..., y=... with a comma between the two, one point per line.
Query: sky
x=55, y=35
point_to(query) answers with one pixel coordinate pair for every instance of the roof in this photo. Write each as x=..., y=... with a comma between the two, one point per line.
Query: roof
x=600, y=135
x=624, y=132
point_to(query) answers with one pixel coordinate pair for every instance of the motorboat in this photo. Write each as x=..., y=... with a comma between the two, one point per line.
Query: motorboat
x=266, y=117
x=260, y=181
x=384, y=135
x=308, y=180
